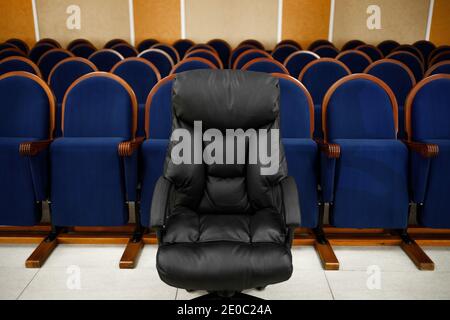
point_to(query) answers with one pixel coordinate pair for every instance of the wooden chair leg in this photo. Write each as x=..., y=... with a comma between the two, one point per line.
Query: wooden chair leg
x=326, y=255
x=417, y=255
x=131, y=254
x=41, y=253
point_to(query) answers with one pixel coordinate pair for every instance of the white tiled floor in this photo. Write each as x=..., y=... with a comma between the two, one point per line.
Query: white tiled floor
x=366, y=273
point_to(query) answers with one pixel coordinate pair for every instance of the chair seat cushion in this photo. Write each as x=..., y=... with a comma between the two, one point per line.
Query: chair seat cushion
x=218, y=266
x=371, y=184
x=17, y=196
x=187, y=226
x=88, y=182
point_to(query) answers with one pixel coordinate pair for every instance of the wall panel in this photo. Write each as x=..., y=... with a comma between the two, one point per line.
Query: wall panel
x=440, y=27
x=306, y=20
x=16, y=20
x=402, y=20
x=158, y=19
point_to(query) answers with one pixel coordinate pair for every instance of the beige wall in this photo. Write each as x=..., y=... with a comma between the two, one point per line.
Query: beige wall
x=16, y=20
x=101, y=20
x=232, y=20
x=401, y=20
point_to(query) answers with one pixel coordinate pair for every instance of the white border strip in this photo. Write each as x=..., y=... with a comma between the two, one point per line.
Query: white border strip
x=430, y=19
x=331, y=26
x=131, y=10
x=35, y=20
x=280, y=21
x=183, y=19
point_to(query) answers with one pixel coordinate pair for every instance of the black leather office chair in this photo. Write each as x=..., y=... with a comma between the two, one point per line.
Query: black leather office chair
x=225, y=228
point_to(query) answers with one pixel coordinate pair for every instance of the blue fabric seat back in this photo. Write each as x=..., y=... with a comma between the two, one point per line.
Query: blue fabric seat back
x=248, y=56
x=352, y=44
x=18, y=64
x=223, y=50
x=297, y=61
x=319, y=43
x=267, y=65
x=326, y=51
x=237, y=52
x=11, y=53
x=50, y=59
x=126, y=50
x=373, y=52
x=105, y=59
x=282, y=52
x=443, y=56
x=387, y=46
x=411, y=49
x=193, y=63
x=146, y=44
x=442, y=67
x=171, y=51
x=159, y=59
x=83, y=50
x=182, y=46
x=113, y=42
x=360, y=107
x=412, y=61
x=356, y=61
x=100, y=105
x=205, y=54
x=425, y=47
x=38, y=50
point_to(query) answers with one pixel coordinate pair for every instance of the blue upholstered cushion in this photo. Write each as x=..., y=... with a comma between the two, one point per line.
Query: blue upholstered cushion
x=51, y=59
x=411, y=61
x=87, y=182
x=191, y=65
x=105, y=60
x=444, y=68
x=37, y=51
x=83, y=50
x=161, y=112
x=282, y=52
x=247, y=57
x=266, y=66
x=357, y=63
x=299, y=61
x=182, y=46
x=15, y=65
x=326, y=51
x=160, y=59
x=208, y=55
x=237, y=52
x=223, y=51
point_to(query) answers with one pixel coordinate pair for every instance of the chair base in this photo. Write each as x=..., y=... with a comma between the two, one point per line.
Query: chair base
x=226, y=295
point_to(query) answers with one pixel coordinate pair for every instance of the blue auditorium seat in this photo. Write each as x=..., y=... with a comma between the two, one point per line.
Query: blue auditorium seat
x=425, y=47
x=83, y=50
x=11, y=64
x=62, y=76
x=142, y=76
x=26, y=127
x=352, y=44
x=5, y=45
x=50, y=41
x=437, y=51
x=400, y=79
x=223, y=49
x=38, y=50
x=428, y=126
x=248, y=56
x=410, y=60
x=167, y=48
x=326, y=51
x=283, y=51
x=22, y=45
x=297, y=61
x=77, y=42
x=182, y=46
x=373, y=52
x=113, y=42
x=267, y=65
x=387, y=46
x=146, y=44
x=237, y=52
x=364, y=173
x=319, y=43
x=411, y=49
x=159, y=59
x=50, y=59
x=318, y=76
x=206, y=54
x=94, y=164
x=257, y=44
x=126, y=50
x=290, y=42
x=105, y=59
x=443, y=56
x=356, y=61
x=6, y=53
x=441, y=67
x=192, y=63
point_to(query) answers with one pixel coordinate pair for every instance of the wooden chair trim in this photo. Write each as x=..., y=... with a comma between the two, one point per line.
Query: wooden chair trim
x=71, y=59
x=419, y=53
x=435, y=66
x=426, y=150
x=171, y=48
x=293, y=54
x=393, y=53
x=396, y=62
x=233, y=52
x=33, y=148
x=322, y=60
x=352, y=77
x=438, y=49
x=27, y=61
x=109, y=43
x=269, y=60
x=159, y=51
x=122, y=82
x=70, y=54
x=213, y=54
x=106, y=50
x=186, y=60
x=198, y=46
x=440, y=54
x=128, y=148
x=141, y=60
x=331, y=150
x=243, y=54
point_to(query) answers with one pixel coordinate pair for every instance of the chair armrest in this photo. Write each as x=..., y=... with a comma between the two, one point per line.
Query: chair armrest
x=127, y=148
x=426, y=150
x=331, y=150
x=290, y=202
x=159, y=203
x=33, y=148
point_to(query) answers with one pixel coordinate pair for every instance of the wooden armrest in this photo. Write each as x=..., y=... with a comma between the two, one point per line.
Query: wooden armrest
x=426, y=150
x=33, y=148
x=331, y=150
x=127, y=148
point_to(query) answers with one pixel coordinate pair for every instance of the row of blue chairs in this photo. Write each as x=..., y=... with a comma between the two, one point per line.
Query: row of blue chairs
x=91, y=173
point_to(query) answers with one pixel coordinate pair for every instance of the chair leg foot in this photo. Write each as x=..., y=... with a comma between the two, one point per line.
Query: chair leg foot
x=131, y=254
x=326, y=255
x=41, y=253
x=417, y=255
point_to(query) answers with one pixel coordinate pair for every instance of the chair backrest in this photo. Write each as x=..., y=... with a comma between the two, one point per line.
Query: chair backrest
x=237, y=52
x=83, y=50
x=359, y=106
x=28, y=107
x=167, y=48
x=126, y=50
x=428, y=109
x=38, y=50
x=319, y=75
x=319, y=43
x=99, y=104
x=411, y=49
x=257, y=44
x=441, y=67
x=296, y=108
x=192, y=63
x=53, y=42
x=6, y=45
x=387, y=46
x=11, y=64
x=202, y=46
x=282, y=52
x=326, y=51
x=6, y=53
x=373, y=52
x=440, y=57
x=291, y=42
x=146, y=44
x=352, y=44
x=77, y=42
x=298, y=60
x=66, y=72
x=159, y=59
x=113, y=42
x=411, y=60
x=105, y=59
x=356, y=61
x=425, y=47
x=182, y=46
x=226, y=99
x=396, y=75
x=22, y=45
x=249, y=55
x=437, y=51
x=223, y=49
x=50, y=59
x=206, y=54
x=266, y=65
x=140, y=74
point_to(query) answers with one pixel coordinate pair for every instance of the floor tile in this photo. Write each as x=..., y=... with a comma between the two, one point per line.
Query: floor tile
x=15, y=255
x=440, y=257
x=305, y=258
x=13, y=281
